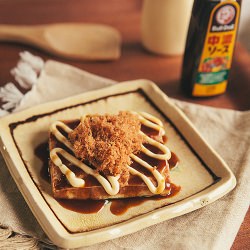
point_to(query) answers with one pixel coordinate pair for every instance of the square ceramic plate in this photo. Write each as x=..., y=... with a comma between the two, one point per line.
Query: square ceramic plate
x=201, y=173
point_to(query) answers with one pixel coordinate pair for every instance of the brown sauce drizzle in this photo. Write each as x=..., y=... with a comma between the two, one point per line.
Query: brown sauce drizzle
x=149, y=131
x=164, y=139
x=173, y=161
x=121, y=206
x=83, y=206
x=160, y=164
x=42, y=152
x=72, y=124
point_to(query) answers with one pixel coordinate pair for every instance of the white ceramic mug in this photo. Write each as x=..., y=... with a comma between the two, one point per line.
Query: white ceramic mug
x=164, y=25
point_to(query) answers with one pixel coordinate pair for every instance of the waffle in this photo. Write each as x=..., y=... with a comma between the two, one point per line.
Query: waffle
x=92, y=188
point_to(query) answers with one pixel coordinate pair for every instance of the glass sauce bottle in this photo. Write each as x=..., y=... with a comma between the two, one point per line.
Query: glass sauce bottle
x=210, y=46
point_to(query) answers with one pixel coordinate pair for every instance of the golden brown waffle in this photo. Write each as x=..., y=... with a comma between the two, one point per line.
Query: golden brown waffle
x=93, y=189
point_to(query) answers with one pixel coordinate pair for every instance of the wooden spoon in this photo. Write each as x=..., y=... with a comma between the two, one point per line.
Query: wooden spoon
x=69, y=40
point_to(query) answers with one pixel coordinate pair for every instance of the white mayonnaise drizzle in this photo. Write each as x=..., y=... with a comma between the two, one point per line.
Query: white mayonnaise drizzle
x=111, y=183
x=59, y=136
x=154, y=123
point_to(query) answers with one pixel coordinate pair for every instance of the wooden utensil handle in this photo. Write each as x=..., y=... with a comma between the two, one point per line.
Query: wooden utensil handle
x=17, y=32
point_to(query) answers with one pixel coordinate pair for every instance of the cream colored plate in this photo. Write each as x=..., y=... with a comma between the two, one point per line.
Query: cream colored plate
x=202, y=174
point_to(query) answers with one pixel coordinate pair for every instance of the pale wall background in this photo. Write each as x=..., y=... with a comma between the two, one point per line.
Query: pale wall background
x=244, y=31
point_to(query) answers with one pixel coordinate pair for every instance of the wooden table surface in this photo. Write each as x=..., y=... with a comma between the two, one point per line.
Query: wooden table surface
x=134, y=63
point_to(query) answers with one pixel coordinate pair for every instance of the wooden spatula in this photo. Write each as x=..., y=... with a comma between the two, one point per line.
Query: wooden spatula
x=69, y=40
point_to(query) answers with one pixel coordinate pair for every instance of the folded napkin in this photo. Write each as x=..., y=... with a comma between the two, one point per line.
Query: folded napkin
x=212, y=227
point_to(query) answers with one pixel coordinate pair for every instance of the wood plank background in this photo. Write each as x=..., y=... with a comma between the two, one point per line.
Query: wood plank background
x=135, y=61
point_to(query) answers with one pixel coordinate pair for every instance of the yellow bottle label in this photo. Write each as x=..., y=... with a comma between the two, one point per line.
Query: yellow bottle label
x=216, y=57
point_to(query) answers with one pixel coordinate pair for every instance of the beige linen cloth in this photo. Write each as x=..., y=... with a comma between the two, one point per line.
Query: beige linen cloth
x=212, y=227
